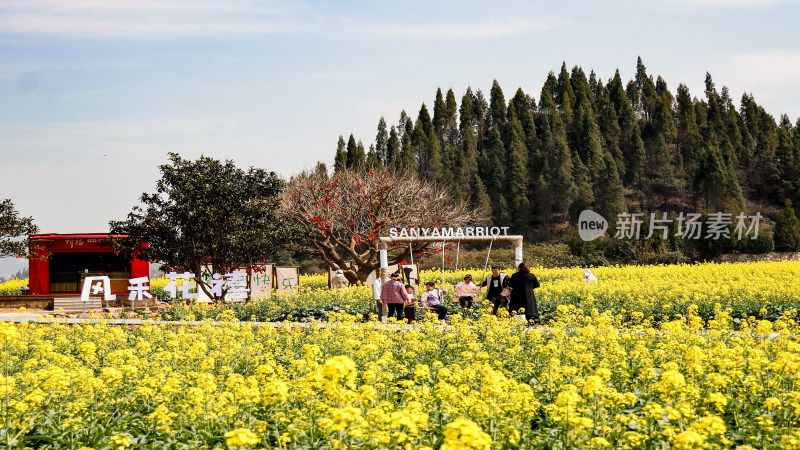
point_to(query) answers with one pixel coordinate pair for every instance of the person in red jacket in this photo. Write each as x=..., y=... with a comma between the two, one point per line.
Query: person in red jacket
x=394, y=294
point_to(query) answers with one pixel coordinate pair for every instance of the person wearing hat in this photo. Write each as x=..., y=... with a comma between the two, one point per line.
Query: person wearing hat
x=497, y=281
x=466, y=292
x=394, y=294
x=338, y=280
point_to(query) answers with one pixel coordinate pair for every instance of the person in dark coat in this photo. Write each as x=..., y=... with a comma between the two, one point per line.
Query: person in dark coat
x=522, y=283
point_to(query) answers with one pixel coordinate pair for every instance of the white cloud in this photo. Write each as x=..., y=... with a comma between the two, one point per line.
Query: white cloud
x=732, y=2
x=144, y=19
x=155, y=19
x=508, y=26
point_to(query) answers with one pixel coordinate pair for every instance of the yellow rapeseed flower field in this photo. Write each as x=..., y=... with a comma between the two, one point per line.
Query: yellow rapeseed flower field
x=489, y=383
x=702, y=356
x=634, y=294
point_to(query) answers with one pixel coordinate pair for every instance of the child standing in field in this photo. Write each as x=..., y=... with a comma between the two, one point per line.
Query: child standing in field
x=410, y=307
x=466, y=292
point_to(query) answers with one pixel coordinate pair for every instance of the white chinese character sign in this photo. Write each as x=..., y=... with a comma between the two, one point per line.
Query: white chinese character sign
x=261, y=278
x=187, y=287
x=96, y=286
x=236, y=285
x=139, y=289
x=231, y=286
x=287, y=278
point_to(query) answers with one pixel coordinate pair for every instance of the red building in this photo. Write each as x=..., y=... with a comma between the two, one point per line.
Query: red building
x=62, y=261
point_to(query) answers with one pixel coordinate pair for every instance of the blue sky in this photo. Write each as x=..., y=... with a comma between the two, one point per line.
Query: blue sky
x=93, y=93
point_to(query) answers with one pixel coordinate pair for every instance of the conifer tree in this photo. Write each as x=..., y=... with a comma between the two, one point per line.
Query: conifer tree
x=404, y=125
x=381, y=141
x=787, y=229
x=469, y=153
x=662, y=119
x=647, y=90
x=565, y=97
x=516, y=183
x=611, y=197
x=542, y=202
x=373, y=161
x=633, y=95
x=523, y=107
x=480, y=200
x=714, y=103
x=424, y=119
x=791, y=172
x=661, y=180
x=637, y=159
x=355, y=153
x=494, y=173
x=450, y=126
x=609, y=122
x=449, y=168
x=594, y=84
x=547, y=99
x=558, y=160
x=689, y=140
x=480, y=108
x=392, y=148
x=590, y=145
x=497, y=105
x=434, y=166
x=407, y=161
x=714, y=185
x=420, y=143
x=439, y=116
x=340, y=161
x=583, y=183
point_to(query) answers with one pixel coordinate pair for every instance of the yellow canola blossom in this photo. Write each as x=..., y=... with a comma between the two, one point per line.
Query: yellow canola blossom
x=723, y=294
x=582, y=381
x=650, y=357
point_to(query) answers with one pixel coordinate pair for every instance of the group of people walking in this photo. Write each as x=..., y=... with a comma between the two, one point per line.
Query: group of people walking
x=514, y=293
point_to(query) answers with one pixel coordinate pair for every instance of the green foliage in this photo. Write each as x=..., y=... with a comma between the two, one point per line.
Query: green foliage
x=355, y=153
x=12, y=228
x=340, y=161
x=787, y=230
x=763, y=243
x=204, y=212
x=673, y=152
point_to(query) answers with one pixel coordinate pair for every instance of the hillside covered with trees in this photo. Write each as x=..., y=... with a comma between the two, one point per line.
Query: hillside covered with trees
x=533, y=161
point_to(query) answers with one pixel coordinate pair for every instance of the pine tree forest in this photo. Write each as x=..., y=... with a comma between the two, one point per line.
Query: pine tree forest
x=533, y=162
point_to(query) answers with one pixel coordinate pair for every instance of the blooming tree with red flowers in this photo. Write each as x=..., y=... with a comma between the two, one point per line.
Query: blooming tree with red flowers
x=340, y=217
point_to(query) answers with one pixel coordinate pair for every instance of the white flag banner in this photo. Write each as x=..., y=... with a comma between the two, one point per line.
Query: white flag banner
x=287, y=278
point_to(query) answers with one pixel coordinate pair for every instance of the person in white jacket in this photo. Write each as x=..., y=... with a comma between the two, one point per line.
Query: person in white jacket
x=589, y=277
x=383, y=308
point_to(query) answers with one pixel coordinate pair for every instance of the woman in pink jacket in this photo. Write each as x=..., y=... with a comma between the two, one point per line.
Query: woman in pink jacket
x=466, y=292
